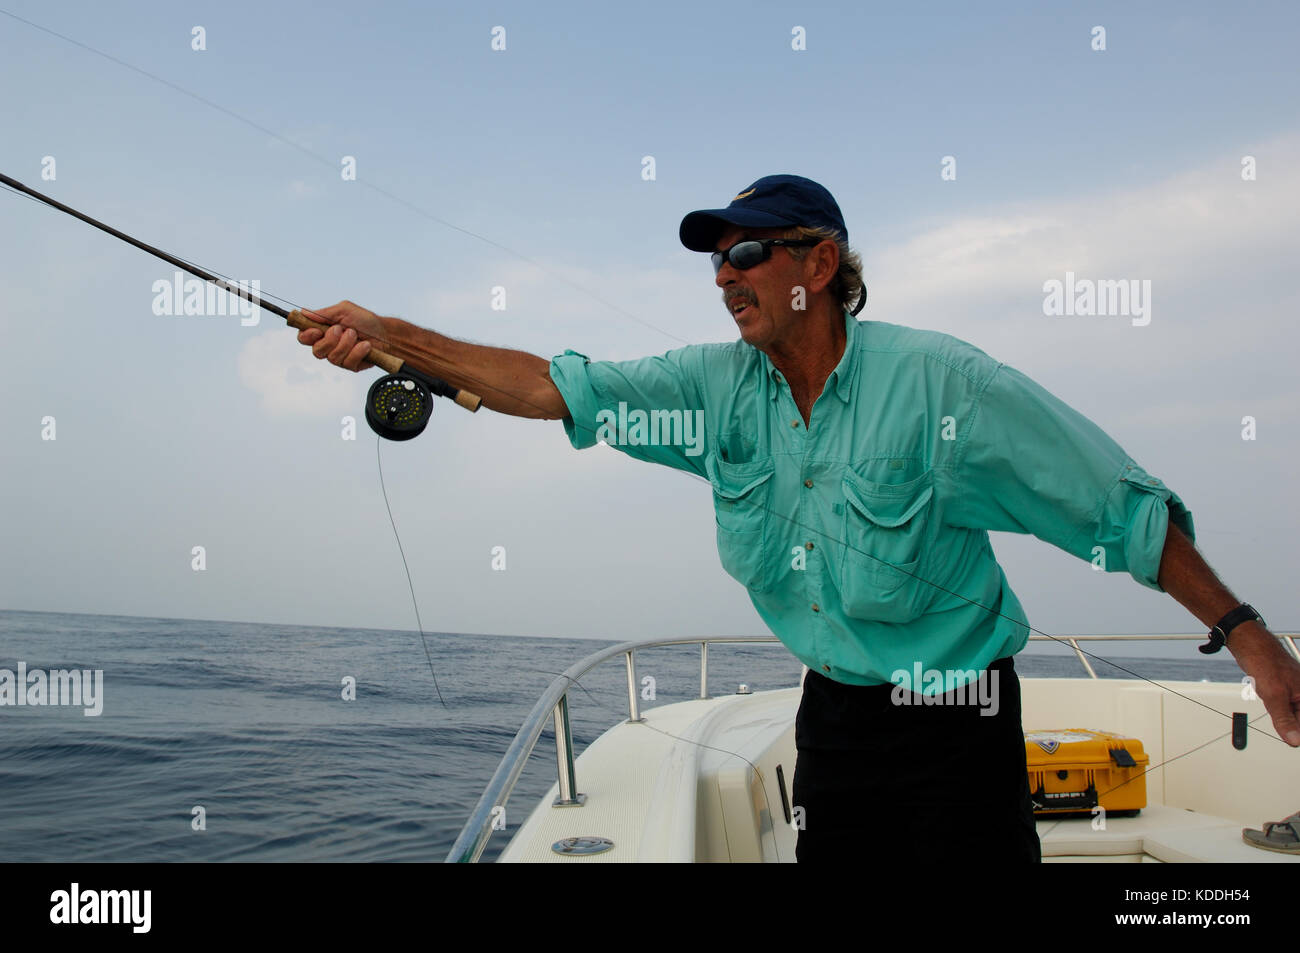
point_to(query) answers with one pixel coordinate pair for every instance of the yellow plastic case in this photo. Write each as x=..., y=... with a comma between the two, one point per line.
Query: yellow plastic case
x=1074, y=770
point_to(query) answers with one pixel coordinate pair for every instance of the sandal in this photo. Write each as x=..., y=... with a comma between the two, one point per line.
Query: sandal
x=1282, y=836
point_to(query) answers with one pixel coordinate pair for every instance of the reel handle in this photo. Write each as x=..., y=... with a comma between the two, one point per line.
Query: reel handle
x=393, y=365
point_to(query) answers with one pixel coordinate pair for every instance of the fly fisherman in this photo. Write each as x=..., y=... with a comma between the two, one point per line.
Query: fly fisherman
x=857, y=468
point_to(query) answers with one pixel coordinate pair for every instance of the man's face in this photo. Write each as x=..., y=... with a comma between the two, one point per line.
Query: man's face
x=766, y=290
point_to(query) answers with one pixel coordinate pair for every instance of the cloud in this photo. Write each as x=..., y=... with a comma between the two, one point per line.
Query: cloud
x=292, y=382
x=1196, y=228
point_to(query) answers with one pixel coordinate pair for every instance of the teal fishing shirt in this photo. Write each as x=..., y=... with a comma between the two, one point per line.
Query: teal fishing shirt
x=862, y=538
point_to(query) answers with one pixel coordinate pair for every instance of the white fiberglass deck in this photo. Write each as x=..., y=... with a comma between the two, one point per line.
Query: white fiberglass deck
x=697, y=781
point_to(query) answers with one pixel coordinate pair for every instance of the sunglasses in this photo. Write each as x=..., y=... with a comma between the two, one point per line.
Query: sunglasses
x=754, y=251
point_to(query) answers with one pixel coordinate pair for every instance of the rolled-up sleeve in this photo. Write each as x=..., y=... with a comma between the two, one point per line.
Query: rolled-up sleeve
x=1029, y=463
x=603, y=395
x=570, y=374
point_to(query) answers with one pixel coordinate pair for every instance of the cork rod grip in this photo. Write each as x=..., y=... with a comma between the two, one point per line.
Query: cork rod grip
x=296, y=319
x=388, y=362
x=469, y=401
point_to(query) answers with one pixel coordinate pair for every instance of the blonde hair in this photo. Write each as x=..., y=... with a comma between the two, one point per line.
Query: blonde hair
x=846, y=286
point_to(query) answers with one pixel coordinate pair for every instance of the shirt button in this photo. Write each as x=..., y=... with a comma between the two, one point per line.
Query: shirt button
x=808, y=483
x=794, y=423
x=826, y=668
x=807, y=546
x=816, y=608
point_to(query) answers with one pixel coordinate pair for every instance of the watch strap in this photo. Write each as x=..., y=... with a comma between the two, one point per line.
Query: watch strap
x=1219, y=634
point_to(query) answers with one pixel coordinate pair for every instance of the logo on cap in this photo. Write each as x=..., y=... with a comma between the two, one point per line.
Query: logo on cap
x=743, y=195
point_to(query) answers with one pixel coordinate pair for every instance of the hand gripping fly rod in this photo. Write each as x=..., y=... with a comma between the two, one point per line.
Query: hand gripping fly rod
x=398, y=405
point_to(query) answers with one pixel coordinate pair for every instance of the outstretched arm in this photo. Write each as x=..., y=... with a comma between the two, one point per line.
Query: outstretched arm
x=1186, y=577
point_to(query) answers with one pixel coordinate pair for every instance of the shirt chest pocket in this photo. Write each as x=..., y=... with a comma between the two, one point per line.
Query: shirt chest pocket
x=887, y=531
x=742, y=504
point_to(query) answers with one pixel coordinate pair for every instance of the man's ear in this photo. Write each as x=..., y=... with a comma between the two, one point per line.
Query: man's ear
x=821, y=265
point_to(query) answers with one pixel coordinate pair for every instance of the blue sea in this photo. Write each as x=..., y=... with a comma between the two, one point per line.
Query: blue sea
x=248, y=722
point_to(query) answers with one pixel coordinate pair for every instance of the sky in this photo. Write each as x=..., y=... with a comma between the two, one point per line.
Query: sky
x=1169, y=156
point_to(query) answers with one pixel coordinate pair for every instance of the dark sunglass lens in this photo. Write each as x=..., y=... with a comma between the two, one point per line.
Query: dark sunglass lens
x=747, y=254
x=718, y=259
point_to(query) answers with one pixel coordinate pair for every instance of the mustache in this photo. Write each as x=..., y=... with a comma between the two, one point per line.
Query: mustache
x=731, y=294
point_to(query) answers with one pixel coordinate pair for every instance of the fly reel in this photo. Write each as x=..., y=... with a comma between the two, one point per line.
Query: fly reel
x=398, y=406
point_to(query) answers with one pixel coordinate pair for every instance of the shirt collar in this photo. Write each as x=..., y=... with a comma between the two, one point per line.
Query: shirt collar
x=841, y=378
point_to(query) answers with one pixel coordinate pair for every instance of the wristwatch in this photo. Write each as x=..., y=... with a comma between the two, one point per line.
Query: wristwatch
x=1219, y=634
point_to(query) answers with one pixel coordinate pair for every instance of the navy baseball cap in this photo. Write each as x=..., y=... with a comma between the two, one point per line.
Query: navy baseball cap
x=774, y=201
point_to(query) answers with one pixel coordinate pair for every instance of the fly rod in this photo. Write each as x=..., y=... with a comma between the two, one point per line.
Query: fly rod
x=398, y=405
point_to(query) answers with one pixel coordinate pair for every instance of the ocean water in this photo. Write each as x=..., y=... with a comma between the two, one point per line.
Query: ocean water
x=249, y=723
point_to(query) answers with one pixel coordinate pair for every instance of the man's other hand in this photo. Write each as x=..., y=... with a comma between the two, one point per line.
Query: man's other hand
x=1276, y=674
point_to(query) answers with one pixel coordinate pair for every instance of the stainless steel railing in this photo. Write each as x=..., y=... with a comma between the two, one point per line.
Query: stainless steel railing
x=554, y=702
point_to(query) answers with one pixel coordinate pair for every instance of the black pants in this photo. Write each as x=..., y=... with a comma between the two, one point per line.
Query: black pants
x=878, y=779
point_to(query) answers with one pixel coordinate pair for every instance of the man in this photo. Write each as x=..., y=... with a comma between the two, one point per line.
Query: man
x=857, y=468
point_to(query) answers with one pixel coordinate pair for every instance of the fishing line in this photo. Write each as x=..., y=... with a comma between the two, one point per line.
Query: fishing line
x=378, y=425
x=398, y=405
x=379, y=458
x=396, y=408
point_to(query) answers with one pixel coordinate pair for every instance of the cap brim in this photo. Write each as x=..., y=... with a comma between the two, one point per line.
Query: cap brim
x=700, y=230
